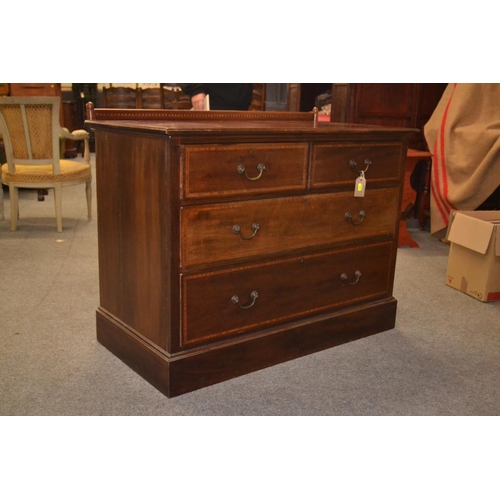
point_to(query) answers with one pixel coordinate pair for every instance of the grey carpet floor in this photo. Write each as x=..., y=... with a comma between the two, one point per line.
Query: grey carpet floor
x=442, y=358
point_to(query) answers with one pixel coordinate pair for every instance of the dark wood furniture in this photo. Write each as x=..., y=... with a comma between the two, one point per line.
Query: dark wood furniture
x=232, y=241
x=175, y=99
x=258, y=97
x=82, y=93
x=388, y=104
x=276, y=97
x=163, y=98
x=4, y=90
x=35, y=89
x=120, y=97
x=415, y=201
x=391, y=104
x=150, y=98
x=423, y=200
x=302, y=96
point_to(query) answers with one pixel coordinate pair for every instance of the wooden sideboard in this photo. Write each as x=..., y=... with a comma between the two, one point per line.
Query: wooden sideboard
x=232, y=241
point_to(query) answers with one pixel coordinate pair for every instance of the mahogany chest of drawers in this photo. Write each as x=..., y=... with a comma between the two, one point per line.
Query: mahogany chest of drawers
x=232, y=241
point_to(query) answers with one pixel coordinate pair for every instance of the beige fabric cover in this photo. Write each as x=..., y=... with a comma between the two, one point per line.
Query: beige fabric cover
x=463, y=135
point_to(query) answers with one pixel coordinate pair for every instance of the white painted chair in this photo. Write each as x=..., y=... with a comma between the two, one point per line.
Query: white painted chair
x=2, y=213
x=31, y=133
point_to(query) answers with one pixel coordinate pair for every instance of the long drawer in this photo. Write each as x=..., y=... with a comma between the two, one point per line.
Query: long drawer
x=211, y=171
x=340, y=164
x=220, y=303
x=228, y=231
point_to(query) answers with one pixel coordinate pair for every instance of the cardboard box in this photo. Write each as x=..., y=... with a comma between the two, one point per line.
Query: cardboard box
x=474, y=259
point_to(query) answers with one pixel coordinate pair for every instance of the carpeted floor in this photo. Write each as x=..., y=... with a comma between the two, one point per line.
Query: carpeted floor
x=443, y=357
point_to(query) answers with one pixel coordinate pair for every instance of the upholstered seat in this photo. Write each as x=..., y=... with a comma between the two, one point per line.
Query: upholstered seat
x=31, y=134
x=70, y=171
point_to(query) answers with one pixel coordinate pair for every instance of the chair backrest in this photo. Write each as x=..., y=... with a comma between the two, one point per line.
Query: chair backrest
x=120, y=97
x=30, y=128
x=258, y=97
x=176, y=99
x=150, y=98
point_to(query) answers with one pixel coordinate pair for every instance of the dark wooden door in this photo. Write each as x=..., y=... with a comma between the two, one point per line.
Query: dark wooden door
x=387, y=104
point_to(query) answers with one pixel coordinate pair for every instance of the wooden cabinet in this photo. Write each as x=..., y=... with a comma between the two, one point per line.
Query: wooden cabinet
x=387, y=104
x=302, y=96
x=35, y=89
x=232, y=241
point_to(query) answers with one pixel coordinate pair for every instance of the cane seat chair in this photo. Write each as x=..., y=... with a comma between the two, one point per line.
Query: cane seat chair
x=31, y=133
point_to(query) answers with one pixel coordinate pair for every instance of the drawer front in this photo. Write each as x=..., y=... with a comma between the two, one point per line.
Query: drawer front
x=243, y=168
x=228, y=231
x=217, y=304
x=340, y=164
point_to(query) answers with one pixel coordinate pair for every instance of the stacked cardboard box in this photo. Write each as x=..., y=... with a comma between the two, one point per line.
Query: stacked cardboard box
x=474, y=259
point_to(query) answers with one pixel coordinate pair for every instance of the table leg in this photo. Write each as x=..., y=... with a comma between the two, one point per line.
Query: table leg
x=425, y=202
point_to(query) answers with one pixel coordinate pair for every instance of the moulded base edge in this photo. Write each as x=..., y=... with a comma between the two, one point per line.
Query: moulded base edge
x=176, y=374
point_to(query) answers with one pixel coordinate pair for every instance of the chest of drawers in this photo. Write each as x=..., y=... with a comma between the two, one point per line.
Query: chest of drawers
x=232, y=241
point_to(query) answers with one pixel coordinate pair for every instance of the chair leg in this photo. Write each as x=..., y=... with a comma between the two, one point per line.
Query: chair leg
x=58, y=205
x=14, y=206
x=2, y=212
x=88, y=192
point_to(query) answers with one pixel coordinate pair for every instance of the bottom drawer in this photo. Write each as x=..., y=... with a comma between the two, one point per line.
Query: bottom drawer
x=220, y=303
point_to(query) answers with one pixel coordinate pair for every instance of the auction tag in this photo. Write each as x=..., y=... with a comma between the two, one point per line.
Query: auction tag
x=359, y=188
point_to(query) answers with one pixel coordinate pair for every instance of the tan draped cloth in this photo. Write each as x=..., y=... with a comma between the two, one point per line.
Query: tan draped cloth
x=463, y=135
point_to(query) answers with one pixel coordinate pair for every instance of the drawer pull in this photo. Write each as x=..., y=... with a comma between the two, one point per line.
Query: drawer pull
x=354, y=166
x=236, y=301
x=362, y=216
x=260, y=167
x=357, y=275
x=237, y=230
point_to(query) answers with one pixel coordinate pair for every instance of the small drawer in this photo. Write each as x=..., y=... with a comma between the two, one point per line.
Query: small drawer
x=225, y=170
x=222, y=303
x=341, y=164
x=229, y=231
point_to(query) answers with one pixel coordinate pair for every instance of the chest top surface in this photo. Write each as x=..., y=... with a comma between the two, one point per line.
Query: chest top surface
x=237, y=123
